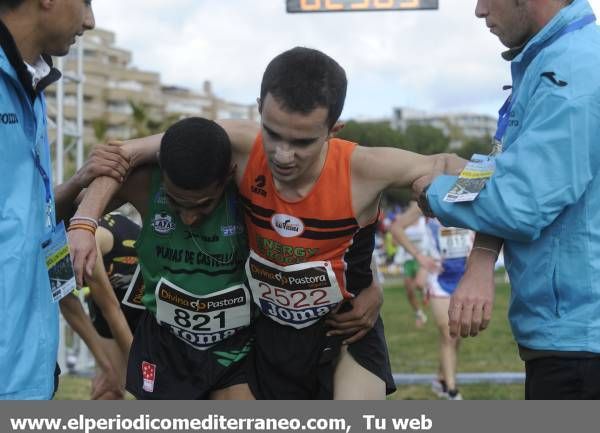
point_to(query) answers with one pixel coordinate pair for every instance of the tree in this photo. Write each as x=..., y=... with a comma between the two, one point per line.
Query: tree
x=475, y=145
x=426, y=140
x=100, y=126
x=142, y=124
x=371, y=134
x=378, y=134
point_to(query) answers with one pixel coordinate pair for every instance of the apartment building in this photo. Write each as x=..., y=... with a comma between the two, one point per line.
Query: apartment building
x=458, y=127
x=183, y=101
x=111, y=85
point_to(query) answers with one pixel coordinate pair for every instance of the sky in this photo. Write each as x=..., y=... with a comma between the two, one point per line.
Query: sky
x=440, y=61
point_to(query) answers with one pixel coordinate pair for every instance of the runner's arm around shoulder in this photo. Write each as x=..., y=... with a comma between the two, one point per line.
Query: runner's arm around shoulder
x=138, y=152
x=383, y=167
x=95, y=201
x=143, y=150
x=242, y=134
x=104, y=160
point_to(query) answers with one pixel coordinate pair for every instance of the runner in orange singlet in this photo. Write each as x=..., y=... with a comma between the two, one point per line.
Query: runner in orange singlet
x=307, y=256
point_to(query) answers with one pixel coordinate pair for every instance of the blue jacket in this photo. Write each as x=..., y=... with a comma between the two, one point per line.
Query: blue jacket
x=544, y=198
x=28, y=317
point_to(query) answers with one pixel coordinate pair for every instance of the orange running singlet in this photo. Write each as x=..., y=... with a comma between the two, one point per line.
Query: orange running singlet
x=306, y=256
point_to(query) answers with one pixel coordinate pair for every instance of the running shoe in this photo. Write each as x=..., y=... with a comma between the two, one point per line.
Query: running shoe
x=439, y=388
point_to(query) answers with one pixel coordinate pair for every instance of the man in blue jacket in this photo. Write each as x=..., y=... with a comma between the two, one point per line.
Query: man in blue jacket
x=543, y=199
x=30, y=32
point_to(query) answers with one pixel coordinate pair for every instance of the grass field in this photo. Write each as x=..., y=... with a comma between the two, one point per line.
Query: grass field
x=415, y=351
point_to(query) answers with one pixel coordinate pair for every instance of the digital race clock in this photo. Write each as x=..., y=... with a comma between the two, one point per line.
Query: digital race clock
x=358, y=5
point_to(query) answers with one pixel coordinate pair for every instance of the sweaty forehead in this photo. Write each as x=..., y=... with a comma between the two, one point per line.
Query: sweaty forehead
x=293, y=124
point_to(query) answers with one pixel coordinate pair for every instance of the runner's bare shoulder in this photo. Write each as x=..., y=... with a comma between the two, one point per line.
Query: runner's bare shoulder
x=242, y=134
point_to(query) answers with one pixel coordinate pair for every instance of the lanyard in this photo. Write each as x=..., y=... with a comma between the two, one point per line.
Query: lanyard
x=505, y=110
x=35, y=151
x=47, y=186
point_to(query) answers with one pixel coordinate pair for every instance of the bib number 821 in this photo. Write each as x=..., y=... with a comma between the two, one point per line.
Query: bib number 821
x=197, y=322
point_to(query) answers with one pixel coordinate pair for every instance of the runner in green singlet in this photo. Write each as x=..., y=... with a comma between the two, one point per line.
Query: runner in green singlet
x=193, y=339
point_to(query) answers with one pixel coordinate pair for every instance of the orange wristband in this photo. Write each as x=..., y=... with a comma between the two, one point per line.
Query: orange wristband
x=86, y=227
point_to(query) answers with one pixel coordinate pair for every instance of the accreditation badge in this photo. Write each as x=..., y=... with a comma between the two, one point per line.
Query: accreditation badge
x=58, y=263
x=472, y=179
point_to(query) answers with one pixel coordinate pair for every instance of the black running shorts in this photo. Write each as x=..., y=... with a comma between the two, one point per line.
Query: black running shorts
x=163, y=367
x=298, y=364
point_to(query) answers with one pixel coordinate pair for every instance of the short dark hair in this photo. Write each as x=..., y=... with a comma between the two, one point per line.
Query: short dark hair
x=303, y=79
x=195, y=153
x=10, y=4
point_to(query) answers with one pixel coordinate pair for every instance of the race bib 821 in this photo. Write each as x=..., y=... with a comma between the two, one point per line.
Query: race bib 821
x=202, y=320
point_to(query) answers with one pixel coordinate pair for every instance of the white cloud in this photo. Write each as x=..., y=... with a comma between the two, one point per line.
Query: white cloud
x=442, y=60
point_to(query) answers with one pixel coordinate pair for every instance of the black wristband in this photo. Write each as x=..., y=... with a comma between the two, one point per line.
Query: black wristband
x=424, y=203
